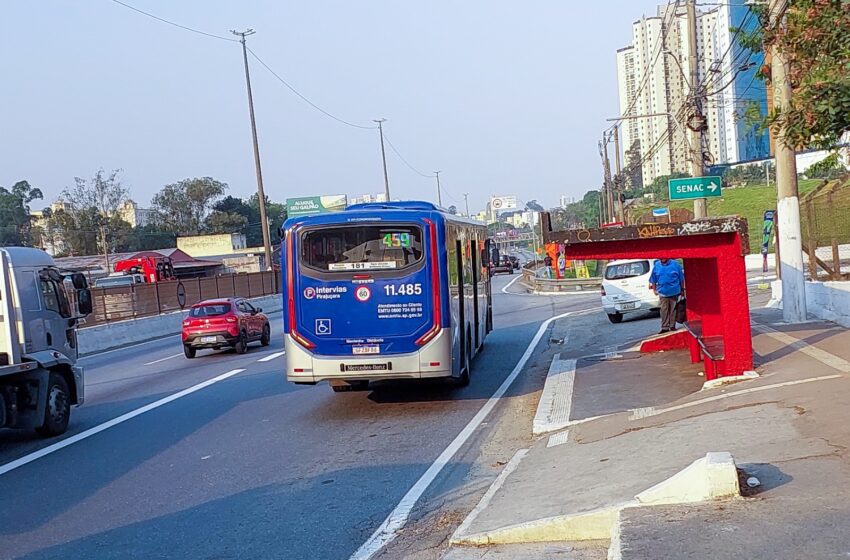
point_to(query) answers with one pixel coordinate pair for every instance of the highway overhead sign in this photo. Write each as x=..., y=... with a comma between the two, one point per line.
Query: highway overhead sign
x=695, y=187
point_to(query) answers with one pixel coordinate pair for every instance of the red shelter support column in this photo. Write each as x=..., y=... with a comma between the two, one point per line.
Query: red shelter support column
x=735, y=310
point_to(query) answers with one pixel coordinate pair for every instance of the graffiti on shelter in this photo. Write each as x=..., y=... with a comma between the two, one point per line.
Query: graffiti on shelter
x=655, y=230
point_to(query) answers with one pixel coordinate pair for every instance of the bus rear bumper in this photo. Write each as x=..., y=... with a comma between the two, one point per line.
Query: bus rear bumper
x=433, y=361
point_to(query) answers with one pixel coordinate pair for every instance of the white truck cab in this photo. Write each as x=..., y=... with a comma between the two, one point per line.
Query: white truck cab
x=39, y=375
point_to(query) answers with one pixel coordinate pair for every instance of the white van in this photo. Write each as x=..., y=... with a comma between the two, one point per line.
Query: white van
x=625, y=288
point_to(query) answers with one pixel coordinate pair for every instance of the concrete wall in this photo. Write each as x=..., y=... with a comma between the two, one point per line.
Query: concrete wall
x=123, y=333
x=825, y=300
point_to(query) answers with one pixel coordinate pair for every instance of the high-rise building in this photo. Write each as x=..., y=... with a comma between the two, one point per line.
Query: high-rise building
x=653, y=75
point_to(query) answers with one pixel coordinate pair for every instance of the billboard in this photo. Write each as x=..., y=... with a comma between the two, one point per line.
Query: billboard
x=499, y=203
x=309, y=205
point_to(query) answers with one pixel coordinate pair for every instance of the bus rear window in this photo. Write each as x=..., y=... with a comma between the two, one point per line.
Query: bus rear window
x=352, y=248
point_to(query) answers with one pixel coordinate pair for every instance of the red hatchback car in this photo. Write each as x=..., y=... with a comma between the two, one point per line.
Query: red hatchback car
x=221, y=323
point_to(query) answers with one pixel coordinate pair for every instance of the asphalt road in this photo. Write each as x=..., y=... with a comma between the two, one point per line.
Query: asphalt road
x=250, y=466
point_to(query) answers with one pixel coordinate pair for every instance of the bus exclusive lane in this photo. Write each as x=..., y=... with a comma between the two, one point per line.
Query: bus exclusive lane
x=252, y=466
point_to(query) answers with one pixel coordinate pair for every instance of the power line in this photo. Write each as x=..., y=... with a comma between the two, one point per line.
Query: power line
x=163, y=20
x=401, y=157
x=303, y=98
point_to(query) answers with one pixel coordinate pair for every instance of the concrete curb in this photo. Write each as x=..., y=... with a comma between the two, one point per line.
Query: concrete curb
x=589, y=526
x=553, y=408
x=100, y=338
x=712, y=477
x=709, y=478
x=721, y=381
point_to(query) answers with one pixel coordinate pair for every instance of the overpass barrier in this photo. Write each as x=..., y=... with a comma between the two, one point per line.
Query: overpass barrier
x=542, y=285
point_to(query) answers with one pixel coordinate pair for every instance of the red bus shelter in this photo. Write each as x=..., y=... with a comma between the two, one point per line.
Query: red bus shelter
x=712, y=250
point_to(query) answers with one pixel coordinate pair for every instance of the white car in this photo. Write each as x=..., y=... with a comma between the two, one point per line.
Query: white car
x=625, y=288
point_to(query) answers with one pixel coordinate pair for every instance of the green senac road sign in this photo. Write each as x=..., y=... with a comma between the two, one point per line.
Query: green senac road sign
x=695, y=187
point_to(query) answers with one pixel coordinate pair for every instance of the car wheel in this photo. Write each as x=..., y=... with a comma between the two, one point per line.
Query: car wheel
x=189, y=351
x=615, y=317
x=241, y=345
x=57, y=412
x=266, y=337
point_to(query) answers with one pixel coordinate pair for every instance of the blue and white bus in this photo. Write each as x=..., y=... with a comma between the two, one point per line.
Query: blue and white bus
x=397, y=290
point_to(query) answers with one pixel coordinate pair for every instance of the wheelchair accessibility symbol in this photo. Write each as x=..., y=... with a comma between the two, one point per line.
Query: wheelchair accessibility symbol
x=323, y=327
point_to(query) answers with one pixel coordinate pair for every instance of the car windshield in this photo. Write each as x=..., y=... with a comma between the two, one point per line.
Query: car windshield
x=626, y=270
x=210, y=310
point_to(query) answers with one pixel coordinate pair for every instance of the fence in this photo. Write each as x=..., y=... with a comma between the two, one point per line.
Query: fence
x=146, y=300
x=825, y=217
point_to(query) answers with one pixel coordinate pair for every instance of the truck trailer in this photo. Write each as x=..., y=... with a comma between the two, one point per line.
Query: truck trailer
x=39, y=376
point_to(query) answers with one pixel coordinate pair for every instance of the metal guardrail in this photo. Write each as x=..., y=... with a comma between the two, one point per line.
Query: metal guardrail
x=552, y=285
x=146, y=300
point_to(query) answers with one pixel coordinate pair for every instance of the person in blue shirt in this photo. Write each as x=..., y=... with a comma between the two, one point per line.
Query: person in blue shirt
x=668, y=282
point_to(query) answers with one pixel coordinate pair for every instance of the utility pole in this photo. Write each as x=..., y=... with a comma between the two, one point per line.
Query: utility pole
x=384, y=157
x=695, y=120
x=261, y=195
x=439, y=191
x=618, y=184
x=466, y=202
x=606, y=179
x=789, y=237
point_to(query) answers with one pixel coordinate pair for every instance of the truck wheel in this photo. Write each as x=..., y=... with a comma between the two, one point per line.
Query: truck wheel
x=615, y=317
x=189, y=351
x=266, y=338
x=57, y=410
x=241, y=345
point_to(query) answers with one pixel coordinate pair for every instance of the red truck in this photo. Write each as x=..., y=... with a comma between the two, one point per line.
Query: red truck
x=154, y=269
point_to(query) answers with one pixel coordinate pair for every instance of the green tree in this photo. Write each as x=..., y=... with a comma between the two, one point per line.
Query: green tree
x=183, y=207
x=15, y=219
x=816, y=43
x=88, y=214
x=276, y=214
x=828, y=168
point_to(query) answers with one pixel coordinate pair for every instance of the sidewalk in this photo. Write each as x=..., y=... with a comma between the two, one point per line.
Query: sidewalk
x=639, y=420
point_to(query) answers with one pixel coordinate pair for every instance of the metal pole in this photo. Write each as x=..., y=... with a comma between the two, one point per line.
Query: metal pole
x=606, y=165
x=695, y=140
x=439, y=193
x=261, y=195
x=789, y=237
x=384, y=158
x=466, y=202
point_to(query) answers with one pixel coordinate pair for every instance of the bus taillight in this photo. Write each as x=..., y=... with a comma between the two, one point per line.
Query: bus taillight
x=290, y=295
x=435, y=286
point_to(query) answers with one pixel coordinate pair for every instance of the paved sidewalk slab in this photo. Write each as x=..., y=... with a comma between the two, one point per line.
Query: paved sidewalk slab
x=634, y=380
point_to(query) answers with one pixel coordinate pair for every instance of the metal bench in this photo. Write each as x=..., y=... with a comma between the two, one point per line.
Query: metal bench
x=709, y=349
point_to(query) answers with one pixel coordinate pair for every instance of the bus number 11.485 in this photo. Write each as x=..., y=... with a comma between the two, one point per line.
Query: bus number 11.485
x=403, y=289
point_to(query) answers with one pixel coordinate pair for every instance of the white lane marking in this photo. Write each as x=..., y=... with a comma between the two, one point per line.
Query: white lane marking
x=164, y=359
x=822, y=356
x=26, y=459
x=388, y=530
x=271, y=357
x=509, y=284
x=639, y=413
x=556, y=402
x=558, y=439
x=485, y=500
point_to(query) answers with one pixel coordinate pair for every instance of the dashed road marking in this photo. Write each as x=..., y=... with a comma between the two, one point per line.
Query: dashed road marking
x=271, y=357
x=164, y=359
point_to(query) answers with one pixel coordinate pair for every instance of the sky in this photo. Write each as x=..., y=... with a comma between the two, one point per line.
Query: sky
x=504, y=98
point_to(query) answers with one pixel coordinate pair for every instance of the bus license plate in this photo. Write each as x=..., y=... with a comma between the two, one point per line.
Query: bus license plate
x=366, y=367
x=371, y=349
